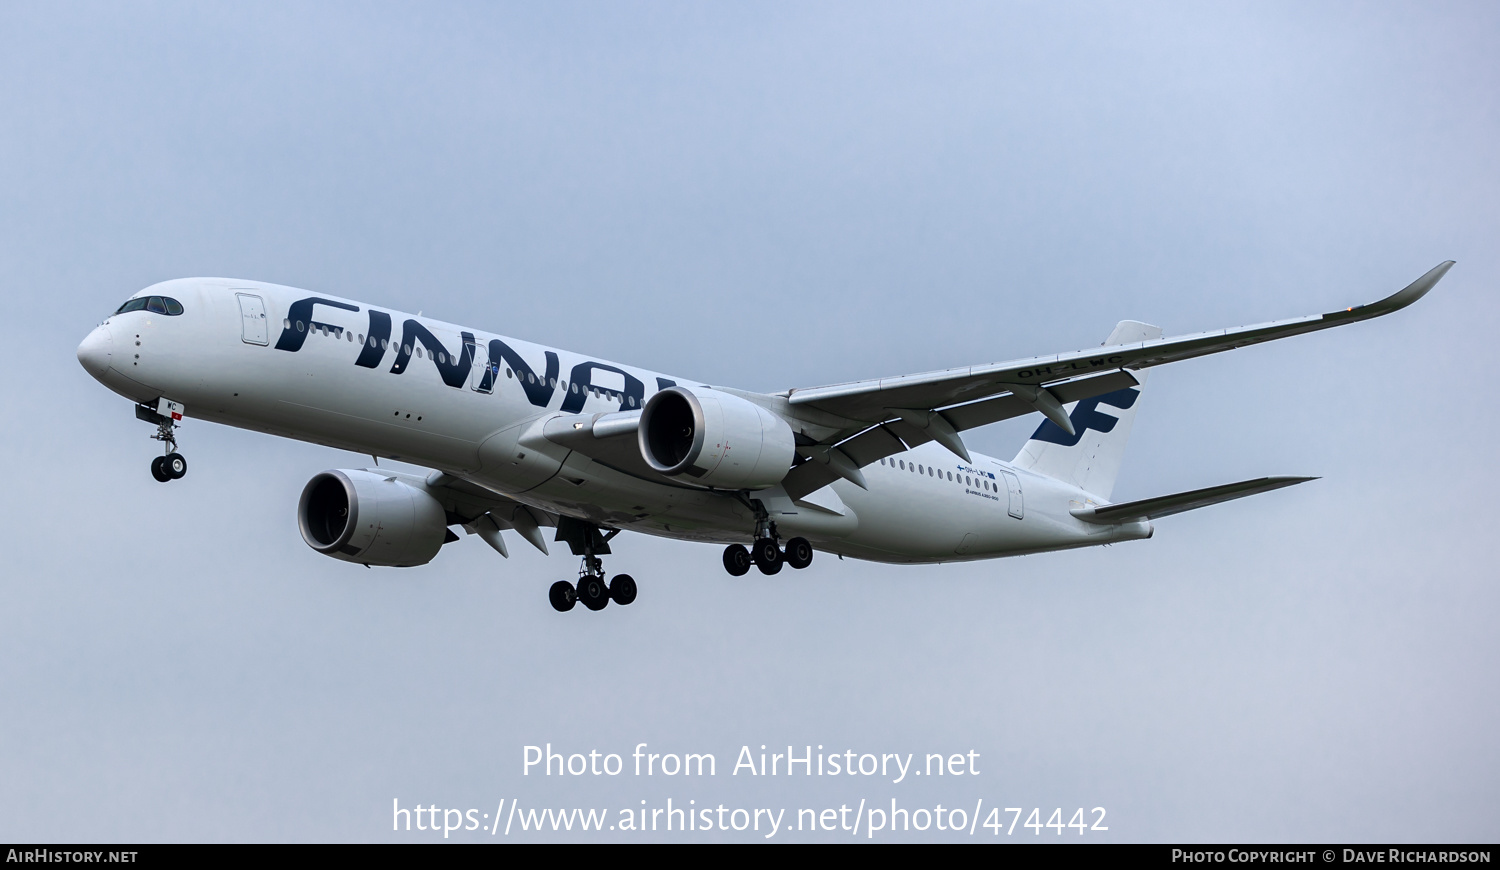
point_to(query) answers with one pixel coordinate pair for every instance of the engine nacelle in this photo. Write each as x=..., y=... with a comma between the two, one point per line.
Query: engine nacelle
x=372, y=519
x=715, y=438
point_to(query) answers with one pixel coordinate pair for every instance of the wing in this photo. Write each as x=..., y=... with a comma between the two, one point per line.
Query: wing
x=865, y=421
x=868, y=400
x=483, y=511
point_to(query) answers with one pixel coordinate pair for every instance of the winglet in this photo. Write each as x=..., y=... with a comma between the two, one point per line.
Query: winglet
x=1401, y=298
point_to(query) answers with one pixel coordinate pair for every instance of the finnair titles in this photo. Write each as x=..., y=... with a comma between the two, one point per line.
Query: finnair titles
x=540, y=443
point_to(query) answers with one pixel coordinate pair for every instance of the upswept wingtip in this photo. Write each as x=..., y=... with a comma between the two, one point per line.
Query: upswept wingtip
x=1406, y=295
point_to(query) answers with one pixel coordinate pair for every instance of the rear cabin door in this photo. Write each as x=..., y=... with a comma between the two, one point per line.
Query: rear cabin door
x=1013, y=484
x=252, y=318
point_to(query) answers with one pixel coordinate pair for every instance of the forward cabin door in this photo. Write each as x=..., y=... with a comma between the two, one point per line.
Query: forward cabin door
x=482, y=379
x=252, y=318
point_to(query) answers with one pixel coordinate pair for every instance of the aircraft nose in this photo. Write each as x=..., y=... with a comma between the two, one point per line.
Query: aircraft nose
x=94, y=352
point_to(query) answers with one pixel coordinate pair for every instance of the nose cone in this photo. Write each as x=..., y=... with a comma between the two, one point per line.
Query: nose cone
x=94, y=353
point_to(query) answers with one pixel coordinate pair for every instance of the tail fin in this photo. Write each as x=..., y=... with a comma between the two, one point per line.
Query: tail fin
x=1090, y=459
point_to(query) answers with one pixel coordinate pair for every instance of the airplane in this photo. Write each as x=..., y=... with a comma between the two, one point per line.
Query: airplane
x=520, y=437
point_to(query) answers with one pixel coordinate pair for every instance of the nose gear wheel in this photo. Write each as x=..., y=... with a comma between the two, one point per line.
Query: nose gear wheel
x=171, y=466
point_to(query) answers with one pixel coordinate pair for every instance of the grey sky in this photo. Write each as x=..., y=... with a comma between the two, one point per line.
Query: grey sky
x=768, y=196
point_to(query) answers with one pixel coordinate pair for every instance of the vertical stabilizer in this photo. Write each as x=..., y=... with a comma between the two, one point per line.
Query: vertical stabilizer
x=1090, y=458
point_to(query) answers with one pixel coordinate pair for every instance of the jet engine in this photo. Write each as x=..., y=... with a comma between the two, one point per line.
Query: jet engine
x=715, y=438
x=371, y=519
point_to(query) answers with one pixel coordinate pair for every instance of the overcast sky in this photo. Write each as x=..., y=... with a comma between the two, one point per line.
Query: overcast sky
x=768, y=196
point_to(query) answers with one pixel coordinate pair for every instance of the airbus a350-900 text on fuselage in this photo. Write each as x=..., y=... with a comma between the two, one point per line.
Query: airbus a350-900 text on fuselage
x=544, y=442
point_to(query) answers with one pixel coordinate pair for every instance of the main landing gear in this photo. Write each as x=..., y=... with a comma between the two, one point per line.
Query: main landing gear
x=765, y=554
x=172, y=466
x=592, y=589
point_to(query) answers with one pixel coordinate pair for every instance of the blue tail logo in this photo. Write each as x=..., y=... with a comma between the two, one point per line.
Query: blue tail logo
x=1086, y=416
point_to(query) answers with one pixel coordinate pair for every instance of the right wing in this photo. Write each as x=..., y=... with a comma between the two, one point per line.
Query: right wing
x=482, y=511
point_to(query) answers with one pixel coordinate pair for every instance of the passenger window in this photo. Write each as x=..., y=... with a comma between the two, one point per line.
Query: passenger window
x=301, y=327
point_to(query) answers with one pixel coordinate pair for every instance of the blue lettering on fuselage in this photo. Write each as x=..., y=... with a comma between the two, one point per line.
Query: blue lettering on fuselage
x=300, y=313
x=380, y=333
x=538, y=390
x=581, y=380
x=453, y=368
x=454, y=365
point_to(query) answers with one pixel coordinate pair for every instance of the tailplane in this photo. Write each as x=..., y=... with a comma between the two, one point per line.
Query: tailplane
x=1090, y=458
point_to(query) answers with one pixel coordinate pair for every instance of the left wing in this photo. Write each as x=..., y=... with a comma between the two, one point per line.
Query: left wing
x=868, y=400
x=865, y=421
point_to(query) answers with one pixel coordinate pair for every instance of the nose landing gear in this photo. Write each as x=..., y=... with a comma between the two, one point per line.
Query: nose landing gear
x=168, y=468
x=172, y=466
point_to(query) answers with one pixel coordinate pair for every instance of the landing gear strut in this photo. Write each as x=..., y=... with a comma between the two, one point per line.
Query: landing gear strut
x=765, y=554
x=172, y=466
x=589, y=542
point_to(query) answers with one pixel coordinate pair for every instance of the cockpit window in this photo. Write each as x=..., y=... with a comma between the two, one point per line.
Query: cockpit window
x=155, y=304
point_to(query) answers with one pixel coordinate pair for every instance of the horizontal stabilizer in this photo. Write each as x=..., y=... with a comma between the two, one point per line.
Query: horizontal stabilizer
x=1166, y=505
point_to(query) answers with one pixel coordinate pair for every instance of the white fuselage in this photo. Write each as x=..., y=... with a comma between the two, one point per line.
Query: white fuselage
x=323, y=374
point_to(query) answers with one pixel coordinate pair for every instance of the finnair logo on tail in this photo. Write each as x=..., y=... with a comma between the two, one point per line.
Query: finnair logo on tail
x=1086, y=416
